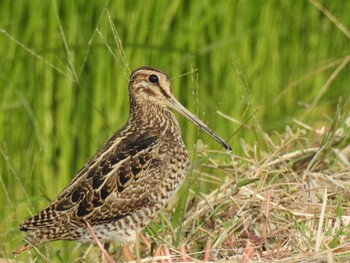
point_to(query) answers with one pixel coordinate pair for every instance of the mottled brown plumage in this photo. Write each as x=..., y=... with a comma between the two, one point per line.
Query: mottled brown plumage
x=130, y=179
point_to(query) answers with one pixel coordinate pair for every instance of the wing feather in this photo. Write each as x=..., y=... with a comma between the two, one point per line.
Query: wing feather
x=103, y=184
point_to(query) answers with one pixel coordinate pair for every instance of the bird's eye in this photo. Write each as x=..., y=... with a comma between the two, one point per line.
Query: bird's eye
x=153, y=79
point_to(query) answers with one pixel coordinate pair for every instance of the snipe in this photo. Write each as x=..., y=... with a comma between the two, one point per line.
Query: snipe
x=130, y=178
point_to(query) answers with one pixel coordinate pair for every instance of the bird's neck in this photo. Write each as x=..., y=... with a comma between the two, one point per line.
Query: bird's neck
x=155, y=118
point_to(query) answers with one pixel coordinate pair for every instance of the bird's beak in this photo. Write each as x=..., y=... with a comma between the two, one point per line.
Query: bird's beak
x=188, y=115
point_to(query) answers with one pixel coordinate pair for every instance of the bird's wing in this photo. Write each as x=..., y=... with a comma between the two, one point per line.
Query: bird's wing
x=112, y=180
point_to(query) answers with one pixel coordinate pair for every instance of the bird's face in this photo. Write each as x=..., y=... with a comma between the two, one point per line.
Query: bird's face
x=150, y=85
x=153, y=86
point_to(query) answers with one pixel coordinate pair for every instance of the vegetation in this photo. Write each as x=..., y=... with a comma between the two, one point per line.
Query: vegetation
x=272, y=77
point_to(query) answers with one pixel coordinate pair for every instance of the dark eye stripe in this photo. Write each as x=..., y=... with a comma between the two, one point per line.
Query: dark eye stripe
x=164, y=92
x=142, y=77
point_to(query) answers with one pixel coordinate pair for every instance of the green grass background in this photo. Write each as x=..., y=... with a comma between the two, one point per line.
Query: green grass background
x=62, y=93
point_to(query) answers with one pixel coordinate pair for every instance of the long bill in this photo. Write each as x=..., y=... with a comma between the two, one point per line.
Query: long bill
x=188, y=115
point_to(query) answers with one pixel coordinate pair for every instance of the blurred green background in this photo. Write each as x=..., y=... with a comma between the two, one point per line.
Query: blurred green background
x=63, y=93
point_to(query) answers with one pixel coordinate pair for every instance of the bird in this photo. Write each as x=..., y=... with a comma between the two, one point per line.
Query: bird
x=128, y=181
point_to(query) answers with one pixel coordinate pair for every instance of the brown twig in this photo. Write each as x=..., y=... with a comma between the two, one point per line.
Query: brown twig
x=167, y=254
x=248, y=253
x=207, y=249
x=183, y=253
